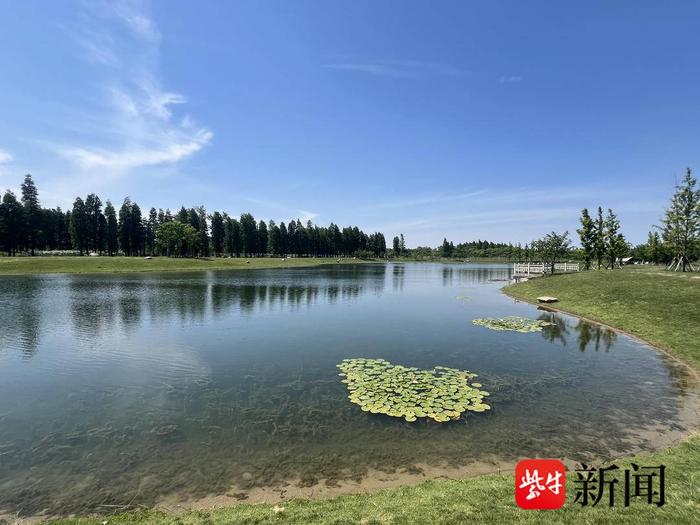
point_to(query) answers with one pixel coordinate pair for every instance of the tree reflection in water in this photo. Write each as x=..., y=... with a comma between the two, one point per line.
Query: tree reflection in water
x=599, y=335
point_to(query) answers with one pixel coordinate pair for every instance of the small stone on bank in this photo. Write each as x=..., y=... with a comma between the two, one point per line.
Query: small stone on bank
x=547, y=299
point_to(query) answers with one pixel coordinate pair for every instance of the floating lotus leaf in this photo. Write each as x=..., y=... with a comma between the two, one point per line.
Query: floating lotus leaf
x=514, y=324
x=440, y=394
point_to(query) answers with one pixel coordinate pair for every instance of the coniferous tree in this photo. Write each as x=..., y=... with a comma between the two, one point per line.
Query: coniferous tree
x=11, y=223
x=273, y=239
x=125, y=228
x=446, y=252
x=284, y=239
x=79, y=227
x=193, y=218
x=599, y=239
x=302, y=239
x=587, y=234
x=292, y=237
x=236, y=238
x=615, y=243
x=228, y=237
x=654, y=248
x=681, y=223
x=32, y=212
x=249, y=234
x=331, y=237
x=217, y=233
x=101, y=233
x=67, y=227
x=338, y=240
x=150, y=231
x=136, y=233
x=53, y=235
x=203, y=240
x=262, y=238
x=111, y=230
x=93, y=211
x=62, y=234
x=183, y=216
x=397, y=246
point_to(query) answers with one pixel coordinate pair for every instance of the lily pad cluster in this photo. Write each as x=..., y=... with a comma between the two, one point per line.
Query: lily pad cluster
x=514, y=324
x=440, y=394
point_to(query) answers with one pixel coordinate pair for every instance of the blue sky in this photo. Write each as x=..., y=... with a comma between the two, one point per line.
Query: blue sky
x=496, y=120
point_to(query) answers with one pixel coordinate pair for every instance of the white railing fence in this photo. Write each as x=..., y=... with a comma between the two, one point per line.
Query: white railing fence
x=534, y=268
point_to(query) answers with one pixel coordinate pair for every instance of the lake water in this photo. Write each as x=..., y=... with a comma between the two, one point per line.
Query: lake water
x=134, y=389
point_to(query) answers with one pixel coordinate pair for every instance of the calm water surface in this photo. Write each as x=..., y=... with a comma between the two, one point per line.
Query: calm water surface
x=125, y=389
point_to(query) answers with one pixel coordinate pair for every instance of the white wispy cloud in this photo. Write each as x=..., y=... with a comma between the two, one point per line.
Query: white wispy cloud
x=132, y=13
x=5, y=160
x=509, y=79
x=306, y=216
x=5, y=157
x=138, y=116
x=395, y=68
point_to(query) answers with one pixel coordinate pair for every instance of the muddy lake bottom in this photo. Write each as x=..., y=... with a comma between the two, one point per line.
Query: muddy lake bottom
x=187, y=390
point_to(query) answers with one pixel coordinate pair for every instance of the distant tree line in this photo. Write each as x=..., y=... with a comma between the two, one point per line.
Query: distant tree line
x=26, y=227
x=601, y=240
x=468, y=250
x=676, y=241
x=89, y=228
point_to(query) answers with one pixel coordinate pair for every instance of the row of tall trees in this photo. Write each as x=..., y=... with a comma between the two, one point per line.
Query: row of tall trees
x=26, y=226
x=88, y=227
x=602, y=243
x=675, y=241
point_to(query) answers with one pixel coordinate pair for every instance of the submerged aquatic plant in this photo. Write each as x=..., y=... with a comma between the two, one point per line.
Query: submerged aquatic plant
x=441, y=394
x=514, y=324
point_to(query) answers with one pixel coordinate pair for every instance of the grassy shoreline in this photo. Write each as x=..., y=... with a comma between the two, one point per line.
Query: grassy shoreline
x=119, y=264
x=649, y=303
x=626, y=300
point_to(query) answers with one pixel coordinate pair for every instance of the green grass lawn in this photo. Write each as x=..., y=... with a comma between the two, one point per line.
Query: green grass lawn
x=34, y=265
x=653, y=304
x=658, y=306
